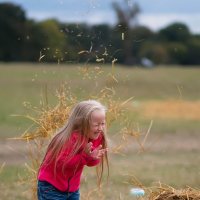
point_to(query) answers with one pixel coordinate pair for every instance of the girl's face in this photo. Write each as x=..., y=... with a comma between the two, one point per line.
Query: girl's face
x=97, y=125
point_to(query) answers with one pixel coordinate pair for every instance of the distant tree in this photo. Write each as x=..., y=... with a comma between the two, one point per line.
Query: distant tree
x=156, y=52
x=140, y=36
x=177, y=52
x=86, y=43
x=193, y=56
x=12, y=34
x=35, y=41
x=100, y=35
x=75, y=36
x=176, y=32
x=127, y=15
x=53, y=40
x=100, y=41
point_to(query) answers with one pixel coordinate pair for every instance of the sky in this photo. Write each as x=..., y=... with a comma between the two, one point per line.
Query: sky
x=155, y=14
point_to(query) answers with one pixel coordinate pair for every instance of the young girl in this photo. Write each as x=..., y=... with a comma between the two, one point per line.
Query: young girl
x=82, y=141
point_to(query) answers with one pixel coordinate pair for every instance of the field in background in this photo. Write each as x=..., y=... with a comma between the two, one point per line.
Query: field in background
x=166, y=96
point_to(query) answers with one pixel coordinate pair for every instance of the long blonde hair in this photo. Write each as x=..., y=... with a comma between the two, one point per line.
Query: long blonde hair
x=79, y=120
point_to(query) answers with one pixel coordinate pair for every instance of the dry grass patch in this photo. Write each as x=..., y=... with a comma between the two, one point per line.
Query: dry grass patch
x=172, y=109
x=169, y=193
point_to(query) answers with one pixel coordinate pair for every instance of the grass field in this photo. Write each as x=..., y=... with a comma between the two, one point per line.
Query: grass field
x=167, y=96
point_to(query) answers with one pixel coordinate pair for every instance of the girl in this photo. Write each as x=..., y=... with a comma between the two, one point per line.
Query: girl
x=82, y=141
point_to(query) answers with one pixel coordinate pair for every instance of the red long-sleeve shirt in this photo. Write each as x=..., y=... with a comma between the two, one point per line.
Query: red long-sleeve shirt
x=67, y=178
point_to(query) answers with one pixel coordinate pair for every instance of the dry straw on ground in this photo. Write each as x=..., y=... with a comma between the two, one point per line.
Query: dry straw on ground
x=166, y=192
x=169, y=193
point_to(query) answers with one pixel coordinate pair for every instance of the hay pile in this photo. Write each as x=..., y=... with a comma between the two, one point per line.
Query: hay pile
x=169, y=193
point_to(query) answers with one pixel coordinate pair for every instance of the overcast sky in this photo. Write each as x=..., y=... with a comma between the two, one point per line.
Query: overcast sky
x=155, y=14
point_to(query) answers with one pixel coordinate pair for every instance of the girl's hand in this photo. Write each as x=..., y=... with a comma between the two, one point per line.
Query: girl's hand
x=96, y=153
x=88, y=148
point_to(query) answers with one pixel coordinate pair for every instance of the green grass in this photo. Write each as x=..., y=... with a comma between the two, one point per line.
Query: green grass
x=150, y=167
x=11, y=173
x=12, y=186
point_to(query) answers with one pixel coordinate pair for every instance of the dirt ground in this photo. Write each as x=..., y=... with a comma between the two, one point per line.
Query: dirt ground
x=13, y=152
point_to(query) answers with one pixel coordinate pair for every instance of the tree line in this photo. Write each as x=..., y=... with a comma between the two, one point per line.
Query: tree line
x=23, y=39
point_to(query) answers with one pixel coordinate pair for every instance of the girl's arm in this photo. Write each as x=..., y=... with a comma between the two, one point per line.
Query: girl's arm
x=78, y=159
x=82, y=158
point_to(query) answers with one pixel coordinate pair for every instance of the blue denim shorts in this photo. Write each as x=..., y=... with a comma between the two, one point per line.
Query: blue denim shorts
x=46, y=191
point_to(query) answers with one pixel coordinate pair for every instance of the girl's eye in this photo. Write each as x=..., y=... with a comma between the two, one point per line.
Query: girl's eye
x=101, y=124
